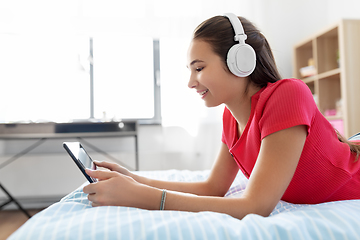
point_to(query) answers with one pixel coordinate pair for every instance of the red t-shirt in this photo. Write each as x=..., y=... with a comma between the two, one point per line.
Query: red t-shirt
x=326, y=171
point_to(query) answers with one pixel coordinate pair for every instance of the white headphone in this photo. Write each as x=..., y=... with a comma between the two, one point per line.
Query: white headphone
x=241, y=58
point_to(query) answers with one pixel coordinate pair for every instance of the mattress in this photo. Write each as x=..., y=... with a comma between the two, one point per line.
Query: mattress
x=74, y=218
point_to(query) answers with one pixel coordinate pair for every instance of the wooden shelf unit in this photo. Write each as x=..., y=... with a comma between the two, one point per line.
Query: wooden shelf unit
x=335, y=83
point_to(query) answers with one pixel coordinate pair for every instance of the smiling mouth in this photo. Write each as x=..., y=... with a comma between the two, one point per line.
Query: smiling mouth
x=203, y=92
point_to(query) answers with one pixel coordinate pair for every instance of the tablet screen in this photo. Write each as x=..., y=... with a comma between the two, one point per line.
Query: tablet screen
x=85, y=159
x=81, y=158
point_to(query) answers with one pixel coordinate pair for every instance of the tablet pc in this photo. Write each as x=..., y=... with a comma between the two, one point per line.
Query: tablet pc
x=80, y=157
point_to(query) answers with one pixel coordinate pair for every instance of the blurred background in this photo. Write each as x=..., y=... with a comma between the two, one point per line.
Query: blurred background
x=110, y=60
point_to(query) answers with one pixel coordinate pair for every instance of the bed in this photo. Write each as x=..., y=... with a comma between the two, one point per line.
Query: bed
x=74, y=218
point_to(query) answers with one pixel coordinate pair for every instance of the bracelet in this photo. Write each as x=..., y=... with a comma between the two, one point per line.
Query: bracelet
x=163, y=197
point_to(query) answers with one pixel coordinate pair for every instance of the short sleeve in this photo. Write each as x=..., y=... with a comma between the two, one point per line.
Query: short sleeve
x=287, y=105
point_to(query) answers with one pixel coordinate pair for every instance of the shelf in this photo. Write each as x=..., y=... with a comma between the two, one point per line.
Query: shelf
x=336, y=117
x=311, y=86
x=329, y=74
x=303, y=52
x=328, y=51
x=329, y=92
x=309, y=79
x=335, y=54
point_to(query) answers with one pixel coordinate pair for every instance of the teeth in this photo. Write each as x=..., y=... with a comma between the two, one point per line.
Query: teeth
x=202, y=93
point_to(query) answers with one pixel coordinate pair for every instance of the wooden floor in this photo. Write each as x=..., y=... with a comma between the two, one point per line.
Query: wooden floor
x=10, y=220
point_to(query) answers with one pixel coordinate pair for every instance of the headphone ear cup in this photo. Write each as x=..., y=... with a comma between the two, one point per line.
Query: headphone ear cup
x=241, y=60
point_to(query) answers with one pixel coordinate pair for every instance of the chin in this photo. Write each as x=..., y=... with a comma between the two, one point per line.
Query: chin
x=211, y=105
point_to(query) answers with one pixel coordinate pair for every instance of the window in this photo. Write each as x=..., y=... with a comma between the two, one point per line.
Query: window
x=123, y=77
x=41, y=79
x=48, y=78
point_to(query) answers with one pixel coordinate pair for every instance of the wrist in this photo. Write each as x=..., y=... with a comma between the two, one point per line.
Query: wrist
x=151, y=198
x=163, y=199
x=140, y=179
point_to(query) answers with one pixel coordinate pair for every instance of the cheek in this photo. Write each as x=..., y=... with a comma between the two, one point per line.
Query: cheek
x=211, y=78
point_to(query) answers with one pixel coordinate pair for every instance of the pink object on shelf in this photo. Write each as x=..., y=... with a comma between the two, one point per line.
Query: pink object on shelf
x=330, y=112
x=338, y=124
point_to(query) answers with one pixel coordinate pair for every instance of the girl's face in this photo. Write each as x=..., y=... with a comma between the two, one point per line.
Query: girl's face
x=211, y=78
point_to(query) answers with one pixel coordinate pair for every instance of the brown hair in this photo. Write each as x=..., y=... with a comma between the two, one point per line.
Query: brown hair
x=354, y=147
x=218, y=32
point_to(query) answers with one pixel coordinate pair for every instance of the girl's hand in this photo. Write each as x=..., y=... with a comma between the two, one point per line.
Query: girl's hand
x=113, y=167
x=115, y=189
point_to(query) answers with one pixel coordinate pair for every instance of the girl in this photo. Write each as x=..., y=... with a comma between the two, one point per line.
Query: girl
x=272, y=131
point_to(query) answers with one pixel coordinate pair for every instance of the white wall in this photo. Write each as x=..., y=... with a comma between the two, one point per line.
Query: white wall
x=287, y=22
x=190, y=136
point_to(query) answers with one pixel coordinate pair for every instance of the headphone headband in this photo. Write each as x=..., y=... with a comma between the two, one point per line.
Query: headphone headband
x=237, y=26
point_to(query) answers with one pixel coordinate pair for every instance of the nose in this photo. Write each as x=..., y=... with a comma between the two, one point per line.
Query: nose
x=192, y=82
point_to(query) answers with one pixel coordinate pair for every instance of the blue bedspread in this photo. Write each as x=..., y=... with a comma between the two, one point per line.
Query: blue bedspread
x=74, y=218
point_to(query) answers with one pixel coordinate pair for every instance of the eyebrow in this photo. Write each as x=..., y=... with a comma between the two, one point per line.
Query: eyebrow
x=195, y=61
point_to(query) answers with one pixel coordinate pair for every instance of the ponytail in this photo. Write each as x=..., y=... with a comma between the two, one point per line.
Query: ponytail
x=354, y=146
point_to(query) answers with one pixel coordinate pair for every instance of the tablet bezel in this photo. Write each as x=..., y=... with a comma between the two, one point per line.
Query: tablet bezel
x=68, y=147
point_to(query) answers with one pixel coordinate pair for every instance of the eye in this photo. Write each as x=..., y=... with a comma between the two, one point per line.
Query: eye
x=199, y=69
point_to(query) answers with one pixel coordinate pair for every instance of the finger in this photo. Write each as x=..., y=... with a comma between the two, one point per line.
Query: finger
x=100, y=174
x=95, y=204
x=94, y=199
x=104, y=164
x=89, y=189
x=91, y=197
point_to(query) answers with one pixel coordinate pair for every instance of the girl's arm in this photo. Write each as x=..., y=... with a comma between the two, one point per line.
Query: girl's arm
x=219, y=181
x=276, y=164
x=277, y=161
